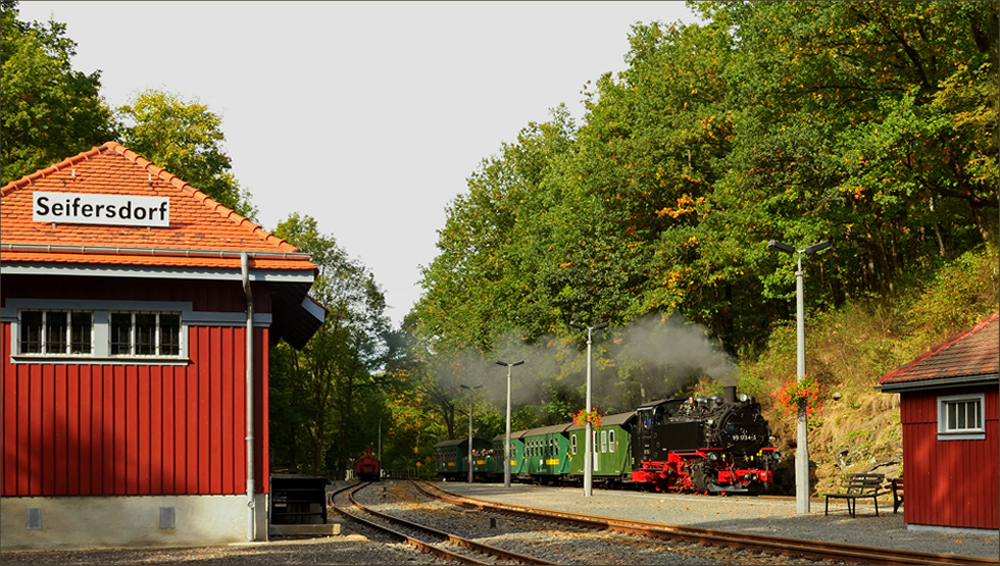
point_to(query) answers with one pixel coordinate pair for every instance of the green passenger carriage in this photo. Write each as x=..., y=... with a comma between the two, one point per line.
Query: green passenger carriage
x=518, y=464
x=612, y=447
x=547, y=453
x=452, y=457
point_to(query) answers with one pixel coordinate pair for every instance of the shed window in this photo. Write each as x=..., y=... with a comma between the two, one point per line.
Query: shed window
x=572, y=444
x=960, y=417
x=53, y=332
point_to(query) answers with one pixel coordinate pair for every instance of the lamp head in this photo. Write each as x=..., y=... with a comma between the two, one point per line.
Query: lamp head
x=600, y=326
x=781, y=247
x=578, y=325
x=818, y=247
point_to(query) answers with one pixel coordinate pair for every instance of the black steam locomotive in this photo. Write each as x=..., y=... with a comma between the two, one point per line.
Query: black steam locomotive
x=719, y=444
x=713, y=444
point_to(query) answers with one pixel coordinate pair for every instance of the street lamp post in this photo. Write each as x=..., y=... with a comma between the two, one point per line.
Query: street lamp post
x=470, y=426
x=588, y=457
x=506, y=446
x=380, y=446
x=802, y=450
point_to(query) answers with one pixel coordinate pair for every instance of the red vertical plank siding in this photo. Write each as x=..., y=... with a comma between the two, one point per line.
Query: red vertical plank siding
x=191, y=416
x=180, y=430
x=60, y=422
x=84, y=443
x=72, y=466
x=37, y=411
x=144, y=438
x=96, y=432
x=110, y=429
x=155, y=429
x=263, y=438
x=23, y=448
x=950, y=483
x=118, y=432
x=239, y=424
x=225, y=409
x=168, y=468
x=215, y=414
x=205, y=374
x=8, y=421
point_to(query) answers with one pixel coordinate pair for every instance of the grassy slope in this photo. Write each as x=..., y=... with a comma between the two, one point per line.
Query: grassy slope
x=849, y=348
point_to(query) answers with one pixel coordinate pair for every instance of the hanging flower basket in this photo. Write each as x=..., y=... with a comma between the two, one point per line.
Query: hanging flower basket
x=591, y=416
x=795, y=394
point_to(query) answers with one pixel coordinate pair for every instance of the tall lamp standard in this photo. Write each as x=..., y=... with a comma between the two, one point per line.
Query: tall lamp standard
x=506, y=446
x=802, y=450
x=471, y=463
x=588, y=457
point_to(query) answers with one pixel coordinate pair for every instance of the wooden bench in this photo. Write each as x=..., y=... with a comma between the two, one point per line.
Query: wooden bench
x=897, y=493
x=859, y=486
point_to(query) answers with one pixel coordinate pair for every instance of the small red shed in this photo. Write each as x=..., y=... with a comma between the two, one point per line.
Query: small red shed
x=948, y=408
x=135, y=315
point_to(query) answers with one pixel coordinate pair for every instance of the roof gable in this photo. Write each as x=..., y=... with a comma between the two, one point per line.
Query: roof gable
x=201, y=233
x=974, y=352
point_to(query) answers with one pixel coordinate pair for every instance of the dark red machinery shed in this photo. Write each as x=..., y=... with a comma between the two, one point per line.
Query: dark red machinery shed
x=126, y=301
x=948, y=409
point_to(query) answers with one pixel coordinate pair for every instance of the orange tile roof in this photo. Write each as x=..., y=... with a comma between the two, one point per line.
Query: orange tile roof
x=202, y=232
x=974, y=352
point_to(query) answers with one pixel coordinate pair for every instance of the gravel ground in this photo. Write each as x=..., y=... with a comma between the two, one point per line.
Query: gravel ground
x=359, y=545
x=761, y=515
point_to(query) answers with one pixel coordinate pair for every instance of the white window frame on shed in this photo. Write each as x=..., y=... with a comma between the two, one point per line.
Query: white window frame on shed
x=954, y=417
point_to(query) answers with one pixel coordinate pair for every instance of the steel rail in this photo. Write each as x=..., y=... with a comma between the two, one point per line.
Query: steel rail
x=426, y=547
x=765, y=543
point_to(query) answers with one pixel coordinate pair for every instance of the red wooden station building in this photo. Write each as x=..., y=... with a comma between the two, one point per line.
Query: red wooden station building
x=951, y=448
x=135, y=321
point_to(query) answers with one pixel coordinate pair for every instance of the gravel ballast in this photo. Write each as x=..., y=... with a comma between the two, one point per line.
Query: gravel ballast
x=760, y=515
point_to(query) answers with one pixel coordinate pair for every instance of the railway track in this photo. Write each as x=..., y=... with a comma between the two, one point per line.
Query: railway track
x=446, y=546
x=816, y=550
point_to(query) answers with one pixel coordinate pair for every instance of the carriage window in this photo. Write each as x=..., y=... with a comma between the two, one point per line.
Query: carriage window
x=960, y=417
x=572, y=444
x=611, y=441
x=604, y=441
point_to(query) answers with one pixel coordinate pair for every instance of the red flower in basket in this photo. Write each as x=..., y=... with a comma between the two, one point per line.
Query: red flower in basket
x=591, y=416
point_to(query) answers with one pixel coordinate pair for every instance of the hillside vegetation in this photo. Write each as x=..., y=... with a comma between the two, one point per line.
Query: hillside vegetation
x=849, y=348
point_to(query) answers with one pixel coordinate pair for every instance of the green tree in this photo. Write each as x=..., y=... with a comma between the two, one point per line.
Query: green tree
x=49, y=111
x=185, y=138
x=332, y=385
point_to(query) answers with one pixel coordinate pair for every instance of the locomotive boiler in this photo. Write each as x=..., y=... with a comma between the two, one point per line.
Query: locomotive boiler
x=716, y=444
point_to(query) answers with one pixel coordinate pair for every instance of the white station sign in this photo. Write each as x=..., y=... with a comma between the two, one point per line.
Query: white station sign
x=74, y=208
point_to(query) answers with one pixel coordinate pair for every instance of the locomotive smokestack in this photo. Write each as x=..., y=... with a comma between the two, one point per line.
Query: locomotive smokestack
x=729, y=393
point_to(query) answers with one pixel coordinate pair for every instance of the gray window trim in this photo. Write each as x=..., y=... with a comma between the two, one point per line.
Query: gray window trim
x=101, y=310
x=965, y=434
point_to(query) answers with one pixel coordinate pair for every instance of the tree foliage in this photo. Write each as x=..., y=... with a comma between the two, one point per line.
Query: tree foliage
x=870, y=124
x=49, y=111
x=185, y=138
x=331, y=388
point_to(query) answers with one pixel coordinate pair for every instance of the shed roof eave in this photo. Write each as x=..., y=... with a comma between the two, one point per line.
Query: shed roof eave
x=939, y=383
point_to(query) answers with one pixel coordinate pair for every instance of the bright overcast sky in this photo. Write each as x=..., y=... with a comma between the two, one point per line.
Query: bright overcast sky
x=367, y=116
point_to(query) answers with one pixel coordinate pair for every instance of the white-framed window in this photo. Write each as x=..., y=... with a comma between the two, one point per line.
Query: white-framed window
x=604, y=442
x=98, y=332
x=960, y=417
x=611, y=441
x=136, y=334
x=572, y=444
x=55, y=332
